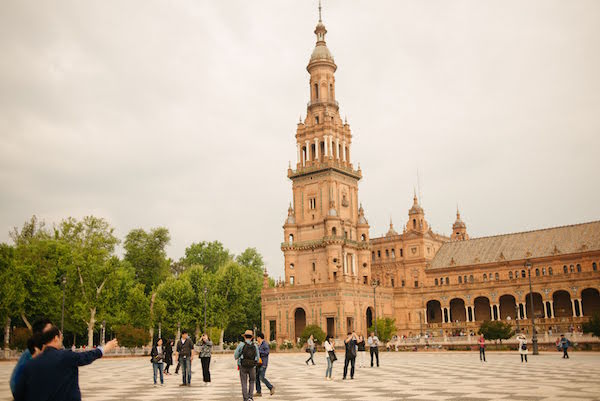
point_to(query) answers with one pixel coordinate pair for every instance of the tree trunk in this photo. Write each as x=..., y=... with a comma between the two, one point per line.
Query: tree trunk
x=7, y=333
x=151, y=331
x=221, y=336
x=197, y=331
x=91, y=327
x=26, y=321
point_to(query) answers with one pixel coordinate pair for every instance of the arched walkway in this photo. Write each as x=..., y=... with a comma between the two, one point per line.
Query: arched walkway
x=434, y=312
x=369, y=317
x=299, y=322
x=562, y=304
x=590, y=298
x=457, y=310
x=507, y=307
x=538, y=306
x=482, y=309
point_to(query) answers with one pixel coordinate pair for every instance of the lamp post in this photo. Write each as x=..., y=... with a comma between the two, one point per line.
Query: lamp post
x=62, y=315
x=205, y=291
x=534, y=337
x=375, y=284
x=517, y=313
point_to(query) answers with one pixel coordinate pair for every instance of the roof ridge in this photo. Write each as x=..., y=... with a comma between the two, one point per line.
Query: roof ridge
x=529, y=231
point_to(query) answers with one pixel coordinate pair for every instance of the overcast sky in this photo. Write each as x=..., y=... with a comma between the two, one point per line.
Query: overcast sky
x=183, y=113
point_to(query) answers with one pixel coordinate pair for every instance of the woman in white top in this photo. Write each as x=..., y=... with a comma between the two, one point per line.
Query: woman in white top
x=329, y=345
x=522, y=347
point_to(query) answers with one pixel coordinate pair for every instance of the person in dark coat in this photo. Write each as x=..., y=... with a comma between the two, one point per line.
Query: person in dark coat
x=54, y=375
x=169, y=355
x=157, y=357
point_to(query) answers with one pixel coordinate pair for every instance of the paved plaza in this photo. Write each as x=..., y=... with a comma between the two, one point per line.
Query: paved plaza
x=402, y=376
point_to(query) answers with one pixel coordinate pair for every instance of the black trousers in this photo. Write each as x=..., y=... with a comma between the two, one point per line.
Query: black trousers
x=565, y=354
x=352, y=362
x=482, y=354
x=178, y=365
x=205, y=368
x=374, y=351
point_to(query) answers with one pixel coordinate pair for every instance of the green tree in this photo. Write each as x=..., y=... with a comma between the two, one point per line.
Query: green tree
x=11, y=288
x=211, y=255
x=227, y=298
x=316, y=331
x=496, y=330
x=174, y=303
x=252, y=259
x=145, y=251
x=199, y=280
x=386, y=328
x=91, y=264
x=593, y=326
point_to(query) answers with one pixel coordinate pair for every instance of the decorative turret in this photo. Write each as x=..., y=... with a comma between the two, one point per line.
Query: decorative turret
x=391, y=232
x=459, y=229
x=416, y=217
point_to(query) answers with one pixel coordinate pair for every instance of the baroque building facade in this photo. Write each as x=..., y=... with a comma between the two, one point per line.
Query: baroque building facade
x=339, y=278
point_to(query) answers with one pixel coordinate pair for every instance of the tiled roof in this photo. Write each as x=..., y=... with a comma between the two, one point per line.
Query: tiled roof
x=531, y=244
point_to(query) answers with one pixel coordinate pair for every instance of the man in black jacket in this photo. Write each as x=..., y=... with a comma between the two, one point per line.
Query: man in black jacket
x=54, y=375
x=185, y=353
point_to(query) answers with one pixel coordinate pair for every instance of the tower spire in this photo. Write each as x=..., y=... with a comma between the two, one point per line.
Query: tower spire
x=320, y=11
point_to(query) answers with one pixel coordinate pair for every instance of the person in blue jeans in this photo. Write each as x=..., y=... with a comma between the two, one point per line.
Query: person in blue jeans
x=157, y=356
x=185, y=353
x=263, y=351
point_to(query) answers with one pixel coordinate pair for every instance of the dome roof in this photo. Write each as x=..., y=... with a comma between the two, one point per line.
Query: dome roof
x=321, y=52
x=362, y=220
x=290, y=220
x=458, y=223
x=416, y=208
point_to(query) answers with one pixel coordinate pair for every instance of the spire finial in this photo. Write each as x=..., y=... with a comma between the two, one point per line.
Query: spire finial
x=320, y=11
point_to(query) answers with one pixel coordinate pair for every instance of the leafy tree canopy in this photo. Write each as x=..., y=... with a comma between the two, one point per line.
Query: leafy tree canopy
x=593, y=326
x=496, y=330
x=316, y=331
x=386, y=328
x=211, y=255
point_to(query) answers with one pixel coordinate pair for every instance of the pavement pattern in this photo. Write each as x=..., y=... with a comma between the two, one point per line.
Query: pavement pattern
x=401, y=376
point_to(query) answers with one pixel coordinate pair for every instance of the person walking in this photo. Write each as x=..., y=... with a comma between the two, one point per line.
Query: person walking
x=329, y=345
x=482, y=348
x=157, y=357
x=310, y=348
x=350, y=357
x=205, y=354
x=564, y=344
x=261, y=369
x=168, y=355
x=373, y=342
x=185, y=353
x=54, y=375
x=246, y=354
x=361, y=351
x=522, y=347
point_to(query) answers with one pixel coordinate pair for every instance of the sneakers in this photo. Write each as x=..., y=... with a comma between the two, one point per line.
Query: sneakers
x=258, y=394
x=182, y=385
x=272, y=391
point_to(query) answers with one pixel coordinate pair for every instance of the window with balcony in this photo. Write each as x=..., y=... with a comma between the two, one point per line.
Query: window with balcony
x=523, y=273
x=565, y=269
x=543, y=271
x=510, y=275
x=436, y=281
x=550, y=271
x=496, y=277
x=292, y=280
x=578, y=268
x=537, y=272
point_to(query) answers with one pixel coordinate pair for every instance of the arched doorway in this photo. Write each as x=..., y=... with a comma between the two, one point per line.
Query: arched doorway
x=482, y=309
x=434, y=312
x=457, y=310
x=299, y=322
x=562, y=304
x=508, y=305
x=538, y=306
x=369, y=316
x=590, y=299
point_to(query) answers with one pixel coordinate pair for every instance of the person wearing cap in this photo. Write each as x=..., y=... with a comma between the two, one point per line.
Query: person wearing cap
x=247, y=356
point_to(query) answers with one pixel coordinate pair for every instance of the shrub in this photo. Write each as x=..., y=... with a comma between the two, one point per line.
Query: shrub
x=316, y=331
x=385, y=329
x=593, y=326
x=273, y=345
x=19, y=338
x=287, y=344
x=130, y=336
x=496, y=330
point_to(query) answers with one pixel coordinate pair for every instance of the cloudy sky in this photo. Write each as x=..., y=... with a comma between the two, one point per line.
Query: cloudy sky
x=183, y=113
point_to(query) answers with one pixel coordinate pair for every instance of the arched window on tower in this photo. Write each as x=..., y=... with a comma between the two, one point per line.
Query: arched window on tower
x=415, y=224
x=523, y=274
x=565, y=269
x=393, y=254
x=436, y=281
x=496, y=277
x=291, y=239
x=484, y=277
x=459, y=279
x=373, y=256
x=578, y=268
x=550, y=270
x=331, y=92
x=363, y=238
x=316, y=91
x=510, y=275
x=387, y=253
x=594, y=266
x=334, y=231
x=537, y=272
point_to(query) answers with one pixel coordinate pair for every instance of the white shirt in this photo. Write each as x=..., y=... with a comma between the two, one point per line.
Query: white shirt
x=328, y=347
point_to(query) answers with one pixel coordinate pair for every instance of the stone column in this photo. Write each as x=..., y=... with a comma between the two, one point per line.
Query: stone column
x=492, y=312
x=330, y=145
x=425, y=315
x=580, y=307
x=345, y=263
x=353, y=256
x=299, y=153
x=573, y=306
x=552, y=309
x=307, y=150
x=466, y=313
x=316, y=148
x=337, y=148
x=525, y=310
x=344, y=151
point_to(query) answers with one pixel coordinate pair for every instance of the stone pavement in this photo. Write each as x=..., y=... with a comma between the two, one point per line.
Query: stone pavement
x=402, y=376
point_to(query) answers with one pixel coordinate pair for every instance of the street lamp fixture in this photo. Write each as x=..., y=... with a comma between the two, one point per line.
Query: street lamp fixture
x=375, y=284
x=534, y=341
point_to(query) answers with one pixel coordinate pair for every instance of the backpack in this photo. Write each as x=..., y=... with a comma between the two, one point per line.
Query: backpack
x=248, y=355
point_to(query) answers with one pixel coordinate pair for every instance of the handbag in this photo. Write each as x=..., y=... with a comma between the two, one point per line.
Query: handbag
x=332, y=356
x=524, y=347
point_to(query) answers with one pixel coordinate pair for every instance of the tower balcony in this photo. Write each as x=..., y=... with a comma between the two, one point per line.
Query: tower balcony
x=324, y=102
x=322, y=242
x=345, y=168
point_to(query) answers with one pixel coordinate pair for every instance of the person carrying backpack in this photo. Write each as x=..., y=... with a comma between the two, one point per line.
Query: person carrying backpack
x=564, y=345
x=247, y=357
